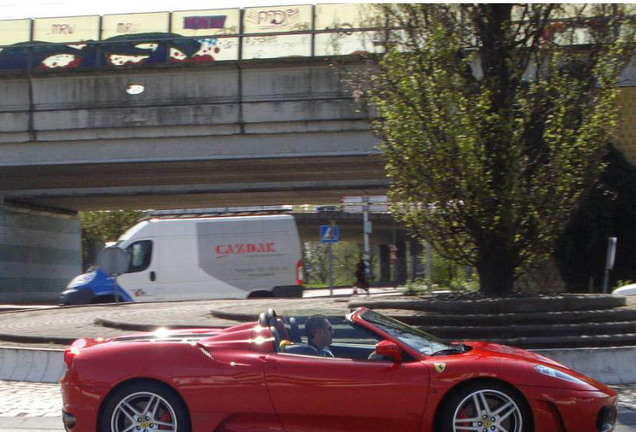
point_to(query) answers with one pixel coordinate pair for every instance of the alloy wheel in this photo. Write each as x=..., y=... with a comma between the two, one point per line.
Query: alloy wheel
x=488, y=410
x=143, y=412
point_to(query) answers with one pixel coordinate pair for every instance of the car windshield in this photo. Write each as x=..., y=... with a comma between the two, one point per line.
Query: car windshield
x=419, y=340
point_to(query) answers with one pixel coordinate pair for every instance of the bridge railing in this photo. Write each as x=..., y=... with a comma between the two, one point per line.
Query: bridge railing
x=177, y=38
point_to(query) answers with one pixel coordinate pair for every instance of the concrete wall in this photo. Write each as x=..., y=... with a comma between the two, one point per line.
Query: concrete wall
x=39, y=253
x=610, y=365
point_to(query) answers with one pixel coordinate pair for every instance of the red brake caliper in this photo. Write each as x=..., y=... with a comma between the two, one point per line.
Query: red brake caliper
x=165, y=418
x=463, y=415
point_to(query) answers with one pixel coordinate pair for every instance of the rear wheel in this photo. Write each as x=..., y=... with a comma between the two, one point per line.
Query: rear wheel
x=107, y=299
x=103, y=299
x=260, y=294
x=144, y=407
x=485, y=407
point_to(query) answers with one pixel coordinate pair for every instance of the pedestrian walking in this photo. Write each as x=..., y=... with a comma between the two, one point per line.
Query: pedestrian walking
x=361, y=277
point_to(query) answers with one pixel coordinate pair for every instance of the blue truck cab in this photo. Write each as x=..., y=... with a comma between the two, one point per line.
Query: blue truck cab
x=94, y=286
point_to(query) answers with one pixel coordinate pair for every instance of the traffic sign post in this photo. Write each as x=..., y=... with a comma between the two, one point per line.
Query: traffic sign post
x=609, y=261
x=367, y=255
x=330, y=234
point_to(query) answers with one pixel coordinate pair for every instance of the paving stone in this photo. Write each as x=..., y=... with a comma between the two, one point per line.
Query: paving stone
x=19, y=399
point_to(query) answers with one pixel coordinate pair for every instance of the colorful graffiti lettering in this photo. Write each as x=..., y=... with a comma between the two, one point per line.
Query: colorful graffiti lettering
x=204, y=22
x=62, y=29
x=127, y=28
x=274, y=19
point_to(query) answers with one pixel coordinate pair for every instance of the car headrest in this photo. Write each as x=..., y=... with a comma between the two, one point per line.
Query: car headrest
x=262, y=320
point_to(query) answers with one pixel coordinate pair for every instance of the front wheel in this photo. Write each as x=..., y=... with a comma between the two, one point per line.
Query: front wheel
x=144, y=407
x=485, y=407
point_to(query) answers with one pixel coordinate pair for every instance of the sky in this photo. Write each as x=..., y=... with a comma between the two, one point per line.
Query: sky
x=17, y=9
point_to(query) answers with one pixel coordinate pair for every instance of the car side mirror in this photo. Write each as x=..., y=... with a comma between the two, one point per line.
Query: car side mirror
x=389, y=350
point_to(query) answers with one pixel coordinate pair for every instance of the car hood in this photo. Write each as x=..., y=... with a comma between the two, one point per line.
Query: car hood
x=511, y=352
x=517, y=359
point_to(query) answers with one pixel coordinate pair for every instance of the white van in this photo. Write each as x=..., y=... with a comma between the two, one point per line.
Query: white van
x=200, y=258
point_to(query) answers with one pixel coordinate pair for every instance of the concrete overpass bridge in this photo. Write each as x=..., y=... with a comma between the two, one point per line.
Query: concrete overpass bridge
x=265, y=132
x=261, y=132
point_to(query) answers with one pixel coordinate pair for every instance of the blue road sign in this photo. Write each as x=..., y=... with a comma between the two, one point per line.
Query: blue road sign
x=329, y=233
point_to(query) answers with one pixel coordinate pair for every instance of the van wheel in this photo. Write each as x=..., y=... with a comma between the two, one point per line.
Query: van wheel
x=106, y=299
x=103, y=299
x=260, y=294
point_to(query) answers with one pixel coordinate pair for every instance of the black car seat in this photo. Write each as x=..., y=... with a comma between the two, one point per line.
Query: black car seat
x=294, y=331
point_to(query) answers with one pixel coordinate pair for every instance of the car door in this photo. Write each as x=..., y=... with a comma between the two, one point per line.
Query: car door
x=335, y=394
x=141, y=281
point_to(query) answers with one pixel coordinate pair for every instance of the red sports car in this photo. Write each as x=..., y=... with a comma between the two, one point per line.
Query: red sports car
x=376, y=374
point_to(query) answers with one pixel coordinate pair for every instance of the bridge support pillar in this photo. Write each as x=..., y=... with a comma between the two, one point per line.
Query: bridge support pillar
x=385, y=263
x=400, y=266
x=40, y=251
x=417, y=271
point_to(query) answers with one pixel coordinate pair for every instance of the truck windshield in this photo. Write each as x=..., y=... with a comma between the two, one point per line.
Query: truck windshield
x=419, y=340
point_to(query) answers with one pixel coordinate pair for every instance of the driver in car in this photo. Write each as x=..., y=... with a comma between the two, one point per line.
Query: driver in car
x=319, y=334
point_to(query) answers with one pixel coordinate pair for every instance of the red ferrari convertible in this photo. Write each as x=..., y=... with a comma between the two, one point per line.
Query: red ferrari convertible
x=377, y=374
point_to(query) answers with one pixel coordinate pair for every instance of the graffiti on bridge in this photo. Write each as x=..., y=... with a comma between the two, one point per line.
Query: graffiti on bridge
x=126, y=50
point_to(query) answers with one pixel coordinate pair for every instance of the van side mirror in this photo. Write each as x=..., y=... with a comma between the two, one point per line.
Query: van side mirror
x=113, y=261
x=389, y=350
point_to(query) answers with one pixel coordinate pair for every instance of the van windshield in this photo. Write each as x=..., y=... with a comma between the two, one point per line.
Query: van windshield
x=131, y=232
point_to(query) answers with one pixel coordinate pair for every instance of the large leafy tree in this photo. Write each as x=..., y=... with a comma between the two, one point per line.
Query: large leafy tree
x=494, y=119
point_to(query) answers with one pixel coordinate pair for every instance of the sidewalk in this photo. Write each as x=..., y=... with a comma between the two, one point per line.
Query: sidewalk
x=31, y=407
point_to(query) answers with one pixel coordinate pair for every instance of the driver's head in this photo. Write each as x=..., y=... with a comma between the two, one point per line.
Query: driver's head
x=319, y=331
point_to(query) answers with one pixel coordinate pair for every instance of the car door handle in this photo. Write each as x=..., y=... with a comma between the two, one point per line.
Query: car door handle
x=153, y=276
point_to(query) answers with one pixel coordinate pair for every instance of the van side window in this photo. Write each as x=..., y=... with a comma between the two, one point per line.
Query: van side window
x=140, y=255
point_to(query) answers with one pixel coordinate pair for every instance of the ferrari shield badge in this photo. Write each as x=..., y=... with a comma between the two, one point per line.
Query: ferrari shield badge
x=440, y=367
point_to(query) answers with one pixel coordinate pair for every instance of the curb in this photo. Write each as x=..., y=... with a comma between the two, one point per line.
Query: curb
x=142, y=327
x=31, y=365
x=566, y=342
x=32, y=424
x=499, y=306
x=233, y=316
x=505, y=320
x=534, y=330
x=36, y=339
x=247, y=317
